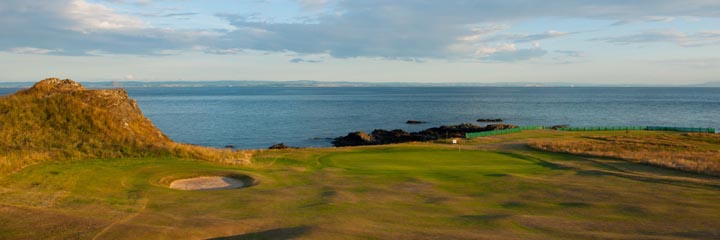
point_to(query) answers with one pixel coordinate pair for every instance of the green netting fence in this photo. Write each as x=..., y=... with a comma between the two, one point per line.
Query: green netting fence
x=491, y=133
x=640, y=128
x=681, y=129
x=531, y=127
x=607, y=128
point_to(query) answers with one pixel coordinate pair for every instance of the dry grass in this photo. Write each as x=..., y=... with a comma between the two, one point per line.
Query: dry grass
x=36, y=126
x=697, y=153
x=226, y=156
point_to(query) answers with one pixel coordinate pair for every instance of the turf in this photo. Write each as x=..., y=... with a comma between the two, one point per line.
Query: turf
x=489, y=188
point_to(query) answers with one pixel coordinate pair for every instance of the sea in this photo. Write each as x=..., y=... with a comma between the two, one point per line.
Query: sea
x=257, y=117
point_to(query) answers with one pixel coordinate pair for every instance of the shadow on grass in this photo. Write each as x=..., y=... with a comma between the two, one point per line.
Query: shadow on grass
x=593, y=173
x=513, y=204
x=536, y=161
x=278, y=233
x=575, y=204
x=496, y=175
x=485, y=217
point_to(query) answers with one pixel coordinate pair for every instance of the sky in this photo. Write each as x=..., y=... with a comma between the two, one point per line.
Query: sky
x=484, y=41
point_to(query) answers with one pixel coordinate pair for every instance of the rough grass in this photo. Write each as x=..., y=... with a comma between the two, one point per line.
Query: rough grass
x=408, y=191
x=697, y=153
x=36, y=126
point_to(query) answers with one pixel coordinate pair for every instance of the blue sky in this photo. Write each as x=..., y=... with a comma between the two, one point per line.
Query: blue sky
x=581, y=41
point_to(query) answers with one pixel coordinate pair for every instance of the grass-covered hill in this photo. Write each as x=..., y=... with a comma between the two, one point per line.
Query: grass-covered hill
x=60, y=120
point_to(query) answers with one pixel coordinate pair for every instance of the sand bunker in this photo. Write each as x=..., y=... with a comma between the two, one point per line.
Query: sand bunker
x=207, y=183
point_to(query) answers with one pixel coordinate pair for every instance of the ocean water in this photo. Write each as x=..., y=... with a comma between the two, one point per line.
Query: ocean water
x=257, y=117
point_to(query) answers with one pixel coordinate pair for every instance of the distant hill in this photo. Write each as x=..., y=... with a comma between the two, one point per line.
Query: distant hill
x=60, y=119
x=311, y=83
x=709, y=84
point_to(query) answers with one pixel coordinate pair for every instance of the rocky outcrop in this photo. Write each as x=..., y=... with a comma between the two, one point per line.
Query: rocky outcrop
x=279, y=146
x=380, y=136
x=62, y=114
x=458, y=131
x=51, y=86
x=490, y=120
x=61, y=120
x=354, y=139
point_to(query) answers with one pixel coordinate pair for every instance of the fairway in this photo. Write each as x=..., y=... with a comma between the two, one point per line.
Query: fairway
x=430, y=160
x=407, y=191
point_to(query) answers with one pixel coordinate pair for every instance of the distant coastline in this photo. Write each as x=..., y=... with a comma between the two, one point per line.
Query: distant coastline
x=311, y=83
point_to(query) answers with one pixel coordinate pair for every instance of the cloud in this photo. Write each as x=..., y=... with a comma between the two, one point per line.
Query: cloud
x=701, y=38
x=180, y=14
x=314, y=5
x=225, y=51
x=510, y=53
x=32, y=50
x=300, y=60
x=88, y=17
x=517, y=55
x=570, y=53
x=134, y=2
x=520, y=38
x=664, y=19
x=698, y=63
x=486, y=50
x=436, y=29
x=402, y=29
x=80, y=28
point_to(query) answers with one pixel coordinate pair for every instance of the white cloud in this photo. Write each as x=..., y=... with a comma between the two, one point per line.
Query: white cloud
x=486, y=50
x=32, y=50
x=402, y=29
x=697, y=39
x=302, y=60
x=509, y=52
x=570, y=53
x=314, y=5
x=223, y=51
x=136, y=2
x=88, y=17
x=664, y=19
x=479, y=33
x=517, y=55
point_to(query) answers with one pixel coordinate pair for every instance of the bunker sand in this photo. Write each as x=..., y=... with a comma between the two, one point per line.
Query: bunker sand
x=207, y=183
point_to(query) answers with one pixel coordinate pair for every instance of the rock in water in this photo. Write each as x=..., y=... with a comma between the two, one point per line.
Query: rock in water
x=490, y=120
x=500, y=126
x=414, y=122
x=380, y=136
x=354, y=139
x=279, y=146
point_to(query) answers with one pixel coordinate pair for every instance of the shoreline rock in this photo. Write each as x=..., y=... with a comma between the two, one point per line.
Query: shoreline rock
x=279, y=146
x=556, y=127
x=490, y=120
x=414, y=122
x=381, y=136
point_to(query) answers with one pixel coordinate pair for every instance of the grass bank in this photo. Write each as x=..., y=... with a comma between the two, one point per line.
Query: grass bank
x=488, y=188
x=691, y=152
